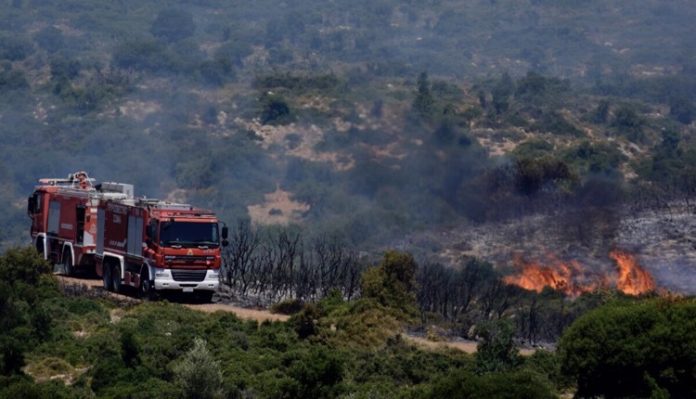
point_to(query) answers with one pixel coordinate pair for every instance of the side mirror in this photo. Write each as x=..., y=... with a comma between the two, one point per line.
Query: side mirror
x=31, y=205
x=225, y=243
x=225, y=232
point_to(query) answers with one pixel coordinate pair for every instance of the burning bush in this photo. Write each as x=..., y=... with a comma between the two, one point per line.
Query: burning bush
x=573, y=279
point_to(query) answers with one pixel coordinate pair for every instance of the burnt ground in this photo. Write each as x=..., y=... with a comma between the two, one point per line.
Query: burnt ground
x=663, y=241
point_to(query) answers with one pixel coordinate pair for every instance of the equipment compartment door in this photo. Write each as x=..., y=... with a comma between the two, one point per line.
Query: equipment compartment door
x=80, y=224
x=135, y=235
x=53, y=217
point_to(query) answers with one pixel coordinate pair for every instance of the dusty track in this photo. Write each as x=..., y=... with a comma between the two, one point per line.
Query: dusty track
x=242, y=313
x=464, y=346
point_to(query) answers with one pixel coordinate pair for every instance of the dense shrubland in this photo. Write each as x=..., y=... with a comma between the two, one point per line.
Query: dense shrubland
x=72, y=346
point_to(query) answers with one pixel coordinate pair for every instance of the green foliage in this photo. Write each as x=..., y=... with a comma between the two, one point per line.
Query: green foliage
x=392, y=283
x=532, y=175
x=537, y=89
x=671, y=165
x=198, y=373
x=275, y=110
x=216, y=72
x=233, y=52
x=146, y=55
x=629, y=123
x=23, y=285
x=424, y=103
x=601, y=113
x=129, y=349
x=556, y=123
x=12, y=79
x=27, y=389
x=305, y=322
x=288, y=306
x=195, y=172
x=639, y=349
x=50, y=39
x=512, y=385
x=22, y=266
x=600, y=158
x=64, y=68
x=501, y=93
x=14, y=47
x=682, y=109
x=317, y=374
x=497, y=350
x=297, y=83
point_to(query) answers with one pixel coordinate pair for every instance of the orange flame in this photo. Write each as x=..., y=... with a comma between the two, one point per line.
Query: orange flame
x=633, y=279
x=559, y=275
x=573, y=280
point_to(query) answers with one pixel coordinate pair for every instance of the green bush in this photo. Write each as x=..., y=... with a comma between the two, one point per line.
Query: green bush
x=15, y=47
x=512, y=385
x=275, y=110
x=289, y=306
x=392, y=283
x=198, y=374
x=496, y=351
x=633, y=350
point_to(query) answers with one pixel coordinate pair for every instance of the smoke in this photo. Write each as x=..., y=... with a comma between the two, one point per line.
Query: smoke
x=162, y=110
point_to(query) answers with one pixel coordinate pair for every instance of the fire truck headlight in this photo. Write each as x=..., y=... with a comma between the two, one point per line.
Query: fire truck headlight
x=161, y=273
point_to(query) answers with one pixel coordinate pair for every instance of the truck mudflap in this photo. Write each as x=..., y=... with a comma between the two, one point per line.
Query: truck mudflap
x=186, y=280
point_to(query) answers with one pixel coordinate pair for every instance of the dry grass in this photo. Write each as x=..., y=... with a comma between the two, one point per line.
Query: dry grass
x=53, y=368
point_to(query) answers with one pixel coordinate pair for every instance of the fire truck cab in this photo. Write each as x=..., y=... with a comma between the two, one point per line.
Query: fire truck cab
x=155, y=245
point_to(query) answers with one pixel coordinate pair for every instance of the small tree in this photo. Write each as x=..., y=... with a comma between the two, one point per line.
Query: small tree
x=275, y=110
x=198, y=374
x=424, y=104
x=601, y=113
x=497, y=350
x=393, y=282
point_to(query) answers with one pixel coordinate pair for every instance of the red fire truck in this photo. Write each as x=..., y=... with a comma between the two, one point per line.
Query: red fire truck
x=144, y=243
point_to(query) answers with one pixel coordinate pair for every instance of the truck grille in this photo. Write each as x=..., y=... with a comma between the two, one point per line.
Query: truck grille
x=188, y=275
x=189, y=258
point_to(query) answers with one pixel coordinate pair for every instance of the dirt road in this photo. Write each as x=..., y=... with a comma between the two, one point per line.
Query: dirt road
x=464, y=346
x=243, y=313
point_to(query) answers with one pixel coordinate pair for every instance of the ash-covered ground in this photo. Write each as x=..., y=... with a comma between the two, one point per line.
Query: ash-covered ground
x=663, y=242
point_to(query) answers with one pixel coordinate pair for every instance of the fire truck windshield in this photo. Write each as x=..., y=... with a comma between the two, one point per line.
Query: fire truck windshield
x=188, y=234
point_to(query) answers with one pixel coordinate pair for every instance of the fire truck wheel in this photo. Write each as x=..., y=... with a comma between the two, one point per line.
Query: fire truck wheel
x=116, y=278
x=145, y=290
x=39, y=247
x=67, y=263
x=106, y=276
x=206, y=296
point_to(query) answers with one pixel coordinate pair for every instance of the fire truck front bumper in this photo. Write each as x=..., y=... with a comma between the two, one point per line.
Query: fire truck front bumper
x=187, y=280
